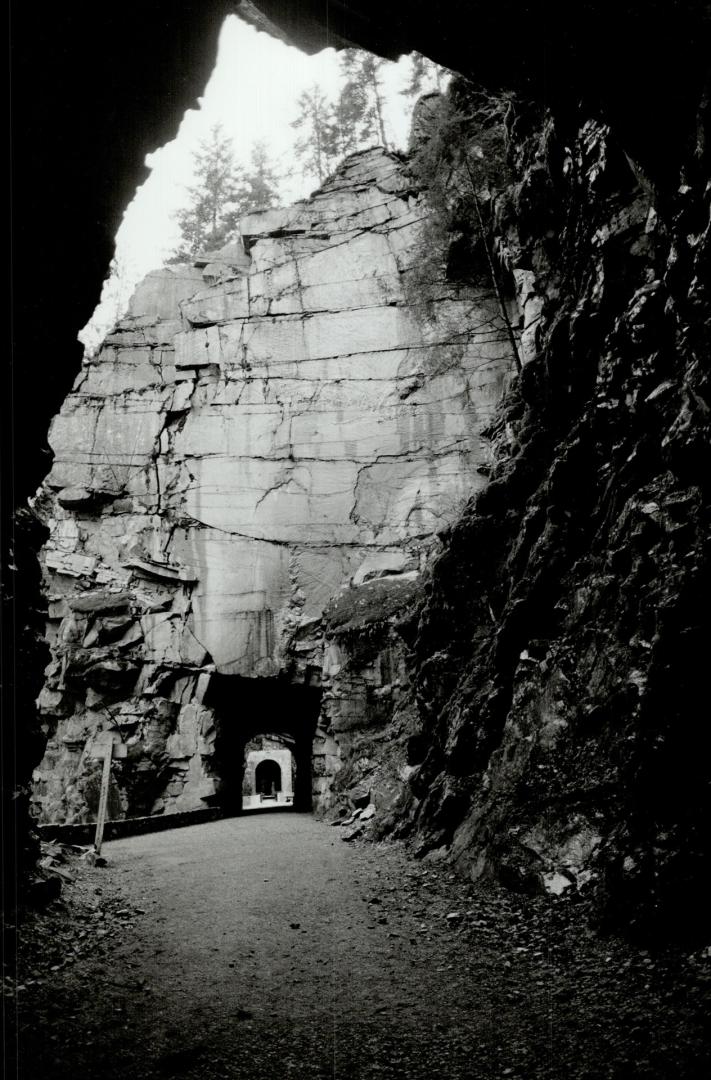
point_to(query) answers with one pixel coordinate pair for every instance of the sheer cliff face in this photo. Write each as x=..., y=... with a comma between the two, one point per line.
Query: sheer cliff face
x=254, y=435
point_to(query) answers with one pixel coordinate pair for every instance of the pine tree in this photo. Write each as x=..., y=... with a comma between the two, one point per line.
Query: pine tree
x=318, y=146
x=347, y=117
x=425, y=77
x=261, y=179
x=370, y=68
x=361, y=102
x=216, y=200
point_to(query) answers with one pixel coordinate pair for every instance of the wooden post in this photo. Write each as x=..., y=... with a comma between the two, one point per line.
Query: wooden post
x=108, y=749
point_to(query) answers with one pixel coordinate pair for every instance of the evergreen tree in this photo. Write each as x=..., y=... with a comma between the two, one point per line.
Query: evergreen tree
x=216, y=200
x=361, y=102
x=318, y=146
x=425, y=77
x=261, y=179
x=347, y=117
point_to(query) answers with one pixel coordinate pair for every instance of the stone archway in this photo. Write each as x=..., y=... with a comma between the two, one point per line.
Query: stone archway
x=269, y=771
x=267, y=777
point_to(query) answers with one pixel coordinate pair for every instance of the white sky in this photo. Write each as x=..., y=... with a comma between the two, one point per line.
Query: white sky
x=252, y=93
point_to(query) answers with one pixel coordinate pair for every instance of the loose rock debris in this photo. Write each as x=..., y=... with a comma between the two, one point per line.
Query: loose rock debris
x=82, y=918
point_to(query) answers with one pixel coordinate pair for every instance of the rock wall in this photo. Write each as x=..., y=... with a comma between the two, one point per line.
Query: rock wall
x=258, y=432
x=558, y=651
x=369, y=702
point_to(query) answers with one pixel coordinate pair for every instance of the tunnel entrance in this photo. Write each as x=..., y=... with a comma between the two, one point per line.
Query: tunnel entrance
x=267, y=778
x=269, y=772
x=264, y=742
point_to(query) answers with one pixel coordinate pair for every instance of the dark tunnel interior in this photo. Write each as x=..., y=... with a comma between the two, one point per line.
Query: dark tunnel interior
x=246, y=708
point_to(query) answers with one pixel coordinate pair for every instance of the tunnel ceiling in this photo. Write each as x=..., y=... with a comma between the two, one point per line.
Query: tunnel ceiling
x=639, y=62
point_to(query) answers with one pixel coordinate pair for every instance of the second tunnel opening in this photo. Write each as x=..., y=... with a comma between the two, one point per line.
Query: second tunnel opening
x=264, y=744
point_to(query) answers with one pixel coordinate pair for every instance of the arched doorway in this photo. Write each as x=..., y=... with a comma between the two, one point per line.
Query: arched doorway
x=267, y=777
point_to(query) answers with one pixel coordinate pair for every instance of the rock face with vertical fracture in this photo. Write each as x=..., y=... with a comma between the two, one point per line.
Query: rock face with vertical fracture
x=255, y=435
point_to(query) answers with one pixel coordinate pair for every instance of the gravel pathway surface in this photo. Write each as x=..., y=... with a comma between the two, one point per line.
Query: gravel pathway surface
x=265, y=947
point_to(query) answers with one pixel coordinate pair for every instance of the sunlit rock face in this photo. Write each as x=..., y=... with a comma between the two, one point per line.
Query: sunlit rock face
x=255, y=435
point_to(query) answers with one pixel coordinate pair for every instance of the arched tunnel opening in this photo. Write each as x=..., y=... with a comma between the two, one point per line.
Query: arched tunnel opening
x=264, y=743
x=269, y=772
x=267, y=777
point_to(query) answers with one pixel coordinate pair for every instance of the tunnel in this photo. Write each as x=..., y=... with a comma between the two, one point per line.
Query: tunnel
x=267, y=777
x=247, y=708
x=269, y=771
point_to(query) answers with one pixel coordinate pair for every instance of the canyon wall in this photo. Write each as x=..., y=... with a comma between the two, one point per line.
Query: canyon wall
x=286, y=419
x=559, y=642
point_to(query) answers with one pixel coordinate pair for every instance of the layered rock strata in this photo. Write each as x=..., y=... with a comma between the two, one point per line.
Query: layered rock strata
x=258, y=432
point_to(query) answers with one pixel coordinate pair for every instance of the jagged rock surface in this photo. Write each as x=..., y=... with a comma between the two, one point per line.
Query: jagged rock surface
x=249, y=440
x=560, y=671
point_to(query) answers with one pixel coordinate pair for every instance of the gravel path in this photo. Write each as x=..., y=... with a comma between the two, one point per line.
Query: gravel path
x=264, y=947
